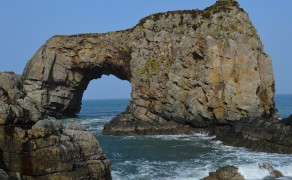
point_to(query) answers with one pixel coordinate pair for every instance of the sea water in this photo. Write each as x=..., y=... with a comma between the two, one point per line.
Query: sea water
x=175, y=156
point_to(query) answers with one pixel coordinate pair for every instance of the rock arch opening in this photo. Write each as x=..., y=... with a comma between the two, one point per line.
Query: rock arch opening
x=106, y=88
x=59, y=73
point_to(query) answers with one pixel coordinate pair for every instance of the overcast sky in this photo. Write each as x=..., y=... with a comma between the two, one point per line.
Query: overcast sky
x=26, y=25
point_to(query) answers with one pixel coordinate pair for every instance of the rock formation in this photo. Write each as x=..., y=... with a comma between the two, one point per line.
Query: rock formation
x=257, y=134
x=225, y=173
x=188, y=70
x=49, y=151
x=287, y=121
x=196, y=68
x=272, y=171
x=35, y=148
x=231, y=173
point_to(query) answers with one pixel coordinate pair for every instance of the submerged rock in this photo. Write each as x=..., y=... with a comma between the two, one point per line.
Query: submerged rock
x=273, y=172
x=225, y=173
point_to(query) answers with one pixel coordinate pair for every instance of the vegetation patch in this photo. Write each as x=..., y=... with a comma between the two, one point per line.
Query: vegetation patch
x=151, y=67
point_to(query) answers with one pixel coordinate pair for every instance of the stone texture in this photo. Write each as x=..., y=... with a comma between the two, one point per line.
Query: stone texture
x=15, y=106
x=225, y=173
x=50, y=151
x=231, y=173
x=197, y=68
x=258, y=135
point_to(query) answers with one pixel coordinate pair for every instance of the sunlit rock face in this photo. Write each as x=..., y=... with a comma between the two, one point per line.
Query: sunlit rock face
x=197, y=68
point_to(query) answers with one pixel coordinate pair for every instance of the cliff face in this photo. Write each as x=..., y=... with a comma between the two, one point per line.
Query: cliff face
x=196, y=68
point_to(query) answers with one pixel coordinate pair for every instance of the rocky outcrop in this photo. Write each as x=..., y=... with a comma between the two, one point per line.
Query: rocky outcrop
x=272, y=171
x=196, y=68
x=231, y=173
x=36, y=148
x=287, y=121
x=48, y=151
x=15, y=106
x=258, y=135
x=225, y=173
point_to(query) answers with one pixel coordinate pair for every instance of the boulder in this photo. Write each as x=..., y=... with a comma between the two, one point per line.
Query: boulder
x=49, y=151
x=225, y=173
x=273, y=172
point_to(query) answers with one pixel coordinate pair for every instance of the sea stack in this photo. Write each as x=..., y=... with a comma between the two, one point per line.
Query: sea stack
x=196, y=68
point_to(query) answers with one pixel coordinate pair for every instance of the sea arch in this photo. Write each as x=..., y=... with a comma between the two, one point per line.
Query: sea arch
x=181, y=72
x=59, y=73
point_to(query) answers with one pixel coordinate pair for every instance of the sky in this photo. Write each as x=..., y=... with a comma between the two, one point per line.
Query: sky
x=26, y=25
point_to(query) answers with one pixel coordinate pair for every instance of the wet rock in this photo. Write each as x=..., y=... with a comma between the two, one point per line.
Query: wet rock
x=257, y=134
x=225, y=173
x=287, y=121
x=126, y=124
x=273, y=172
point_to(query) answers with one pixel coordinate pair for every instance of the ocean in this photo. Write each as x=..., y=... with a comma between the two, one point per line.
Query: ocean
x=175, y=156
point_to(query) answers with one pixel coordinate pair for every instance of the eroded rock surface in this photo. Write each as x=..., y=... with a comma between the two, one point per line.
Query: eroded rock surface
x=196, y=68
x=258, y=135
x=225, y=173
x=50, y=151
x=231, y=173
x=15, y=106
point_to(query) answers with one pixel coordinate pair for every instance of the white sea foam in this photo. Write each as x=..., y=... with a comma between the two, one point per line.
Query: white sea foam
x=197, y=166
x=253, y=171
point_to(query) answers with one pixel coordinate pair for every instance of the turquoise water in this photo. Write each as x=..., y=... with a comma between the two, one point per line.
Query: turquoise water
x=176, y=156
